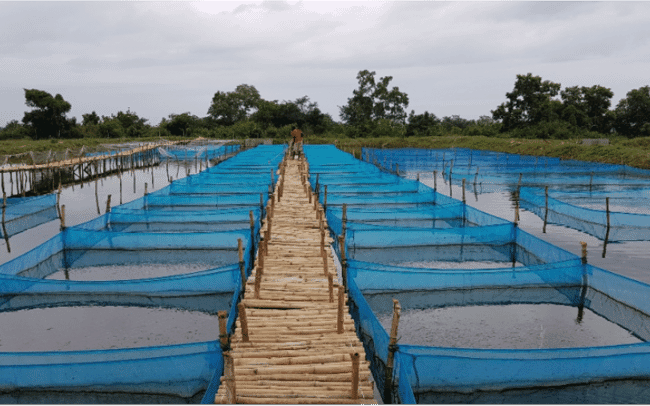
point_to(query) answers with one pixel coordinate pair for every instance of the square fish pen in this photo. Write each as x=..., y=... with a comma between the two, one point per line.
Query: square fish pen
x=609, y=366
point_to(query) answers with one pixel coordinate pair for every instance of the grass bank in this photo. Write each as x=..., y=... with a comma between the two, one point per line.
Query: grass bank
x=634, y=152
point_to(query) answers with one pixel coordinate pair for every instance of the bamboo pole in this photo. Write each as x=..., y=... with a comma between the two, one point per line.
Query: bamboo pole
x=584, y=252
x=240, y=251
x=608, y=227
x=392, y=347
x=223, y=333
x=108, y=204
x=4, y=227
x=243, y=321
x=344, y=262
x=339, y=315
x=229, y=372
x=258, y=282
x=330, y=285
x=355, y=376
x=464, y=202
x=325, y=198
x=545, y=208
x=97, y=197
x=325, y=271
x=516, y=208
x=435, y=181
x=62, y=217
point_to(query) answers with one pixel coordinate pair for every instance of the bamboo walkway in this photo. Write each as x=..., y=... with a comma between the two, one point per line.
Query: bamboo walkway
x=294, y=341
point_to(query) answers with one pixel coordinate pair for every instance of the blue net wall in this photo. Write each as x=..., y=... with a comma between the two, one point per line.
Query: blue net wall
x=23, y=213
x=587, y=212
x=192, y=151
x=194, y=220
x=498, y=171
x=392, y=252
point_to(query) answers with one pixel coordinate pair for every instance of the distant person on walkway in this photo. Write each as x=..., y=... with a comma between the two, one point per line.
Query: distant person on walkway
x=296, y=135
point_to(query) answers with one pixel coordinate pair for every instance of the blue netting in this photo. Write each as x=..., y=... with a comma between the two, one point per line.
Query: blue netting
x=194, y=223
x=23, y=213
x=432, y=256
x=587, y=212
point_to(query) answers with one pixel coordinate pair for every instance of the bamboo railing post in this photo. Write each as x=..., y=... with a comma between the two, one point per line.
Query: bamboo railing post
x=97, y=197
x=608, y=227
x=355, y=375
x=243, y=321
x=339, y=314
x=516, y=209
x=464, y=202
x=476, y=176
x=4, y=227
x=240, y=250
x=584, y=252
x=261, y=206
x=62, y=217
x=325, y=199
x=344, y=219
x=435, y=181
x=258, y=282
x=392, y=347
x=224, y=340
x=344, y=262
x=325, y=270
x=108, y=204
x=330, y=285
x=417, y=176
x=229, y=372
x=545, y=208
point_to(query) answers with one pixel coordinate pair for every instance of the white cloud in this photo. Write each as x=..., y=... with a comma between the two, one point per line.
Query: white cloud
x=450, y=57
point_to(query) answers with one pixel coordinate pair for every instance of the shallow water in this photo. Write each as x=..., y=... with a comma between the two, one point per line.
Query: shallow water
x=516, y=326
x=127, y=272
x=93, y=327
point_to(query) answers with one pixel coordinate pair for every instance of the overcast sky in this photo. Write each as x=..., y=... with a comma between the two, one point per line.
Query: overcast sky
x=449, y=57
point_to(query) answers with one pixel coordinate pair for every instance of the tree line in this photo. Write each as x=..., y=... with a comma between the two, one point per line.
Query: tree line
x=535, y=108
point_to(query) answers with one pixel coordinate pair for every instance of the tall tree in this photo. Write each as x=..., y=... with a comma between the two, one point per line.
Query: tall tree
x=47, y=119
x=373, y=101
x=587, y=107
x=633, y=113
x=227, y=108
x=530, y=102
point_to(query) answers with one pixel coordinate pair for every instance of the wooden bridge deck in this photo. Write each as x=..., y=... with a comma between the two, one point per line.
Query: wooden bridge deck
x=298, y=343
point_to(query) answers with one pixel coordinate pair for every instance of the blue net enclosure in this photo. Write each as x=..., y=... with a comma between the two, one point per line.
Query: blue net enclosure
x=183, y=248
x=498, y=171
x=197, y=150
x=621, y=215
x=22, y=213
x=456, y=306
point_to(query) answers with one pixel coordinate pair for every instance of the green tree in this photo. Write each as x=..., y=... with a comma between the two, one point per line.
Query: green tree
x=47, y=119
x=374, y=101
x=13, y=130
x=530, y=102
x=633, y=113
x=587, y=107
x=181, y=124
x=227, y=108
x=90, y=119
x=425, y=124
